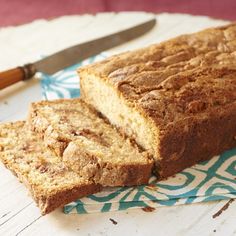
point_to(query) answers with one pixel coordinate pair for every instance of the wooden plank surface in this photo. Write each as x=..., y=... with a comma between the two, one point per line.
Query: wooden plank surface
x=18, y=213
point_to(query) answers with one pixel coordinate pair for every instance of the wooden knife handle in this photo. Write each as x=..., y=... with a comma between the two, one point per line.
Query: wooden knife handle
x=15, y=75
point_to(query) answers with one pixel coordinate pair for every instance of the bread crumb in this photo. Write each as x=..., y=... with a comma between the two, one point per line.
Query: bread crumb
x=148, y=209
x=224, y=208
x=113, y=221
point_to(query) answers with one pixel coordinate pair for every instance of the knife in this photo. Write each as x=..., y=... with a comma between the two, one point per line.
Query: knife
x=73, y=55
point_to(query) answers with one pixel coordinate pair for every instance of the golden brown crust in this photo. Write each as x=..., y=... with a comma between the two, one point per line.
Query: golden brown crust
x=64, y=197
x=186, y=86
x=88, y=144
x=182, y=147
x=49, y=181
x=185, y=76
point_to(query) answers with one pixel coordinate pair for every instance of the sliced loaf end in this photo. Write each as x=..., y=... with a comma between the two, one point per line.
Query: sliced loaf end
x=50, y=182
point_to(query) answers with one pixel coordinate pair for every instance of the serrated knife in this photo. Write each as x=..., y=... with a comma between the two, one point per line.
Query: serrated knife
x=73, y=55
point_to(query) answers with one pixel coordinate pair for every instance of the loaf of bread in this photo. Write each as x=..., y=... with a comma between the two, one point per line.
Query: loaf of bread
x=89, y=145
x=50, y=182
x=177, y=99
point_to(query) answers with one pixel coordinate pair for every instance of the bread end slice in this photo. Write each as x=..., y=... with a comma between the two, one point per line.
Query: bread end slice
x=50, y=182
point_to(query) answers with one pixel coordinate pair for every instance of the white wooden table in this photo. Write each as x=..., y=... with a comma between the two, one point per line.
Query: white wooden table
x=18, y=213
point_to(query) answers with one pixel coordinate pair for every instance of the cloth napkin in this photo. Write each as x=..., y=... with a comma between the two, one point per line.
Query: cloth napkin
x=208, y=181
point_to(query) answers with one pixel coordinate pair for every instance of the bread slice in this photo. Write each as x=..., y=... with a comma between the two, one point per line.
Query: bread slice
x=89, y=145
x=177, y=99
x=50, y=182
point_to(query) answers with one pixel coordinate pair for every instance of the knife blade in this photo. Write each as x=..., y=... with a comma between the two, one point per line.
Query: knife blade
x=73, y=55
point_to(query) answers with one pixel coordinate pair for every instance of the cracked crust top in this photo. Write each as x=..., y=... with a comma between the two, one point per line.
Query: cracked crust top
x=186, y=77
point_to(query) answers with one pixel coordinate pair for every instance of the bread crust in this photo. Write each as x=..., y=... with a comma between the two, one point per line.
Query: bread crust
x=61, y=198
x=205, y=138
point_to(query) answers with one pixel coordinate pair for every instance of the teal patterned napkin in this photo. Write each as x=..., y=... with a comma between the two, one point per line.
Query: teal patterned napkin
x=211, y=180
